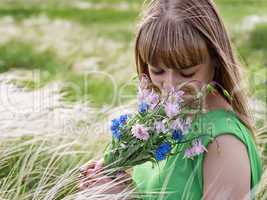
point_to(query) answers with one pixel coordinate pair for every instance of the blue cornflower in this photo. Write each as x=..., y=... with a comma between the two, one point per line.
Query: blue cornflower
x=143, y=107
x=116, y=133
x=115, y=123
x=160, y=156
x=123, y=119
x=177, y=134
x=165, y=147
x=162, y=150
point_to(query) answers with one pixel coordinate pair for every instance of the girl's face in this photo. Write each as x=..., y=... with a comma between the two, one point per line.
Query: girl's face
x=165, y=78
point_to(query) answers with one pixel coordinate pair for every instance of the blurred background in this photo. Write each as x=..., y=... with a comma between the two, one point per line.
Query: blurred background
x=67, y=67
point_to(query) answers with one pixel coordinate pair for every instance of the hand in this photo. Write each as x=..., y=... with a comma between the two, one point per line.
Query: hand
x=92, y=175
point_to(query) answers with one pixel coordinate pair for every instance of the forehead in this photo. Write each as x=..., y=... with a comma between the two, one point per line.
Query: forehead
x=162, y=66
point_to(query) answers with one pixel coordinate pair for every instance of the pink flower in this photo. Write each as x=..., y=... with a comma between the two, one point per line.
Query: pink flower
x=140, y=132
x=181, y=124
x=178, y=96
x=197, y=149
x=149, y=97
x=189, y=153
x=171, y=109
x=152, y=99
x=142, y=94
x=177, y=124
x=187, y=124
x=159, y=126
x=175, y=96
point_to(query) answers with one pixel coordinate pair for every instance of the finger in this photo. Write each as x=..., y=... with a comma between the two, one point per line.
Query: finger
x=116, y=187
x=89, y=173
x=81, y=176
x=91, y=177
x=99, y=164
x=95, y=172
x=97, y=182
x=82, y=186
x=124, y=177
x=86, y=166
x=95, y=177
x=93, y=165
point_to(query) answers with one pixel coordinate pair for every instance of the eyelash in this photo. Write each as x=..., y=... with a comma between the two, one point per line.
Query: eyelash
x=158, y=73
x=188, y=75
x=185, y=76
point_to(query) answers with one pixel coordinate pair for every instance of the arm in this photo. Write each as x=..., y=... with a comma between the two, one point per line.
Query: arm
x=226, y=174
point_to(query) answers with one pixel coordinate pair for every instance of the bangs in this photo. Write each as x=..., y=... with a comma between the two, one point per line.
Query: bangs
x=174, y=44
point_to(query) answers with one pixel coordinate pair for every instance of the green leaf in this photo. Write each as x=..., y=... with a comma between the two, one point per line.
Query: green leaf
x=225, y=92
x=210, y=88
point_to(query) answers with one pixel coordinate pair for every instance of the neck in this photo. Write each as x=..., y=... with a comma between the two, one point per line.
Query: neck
x=215, y=100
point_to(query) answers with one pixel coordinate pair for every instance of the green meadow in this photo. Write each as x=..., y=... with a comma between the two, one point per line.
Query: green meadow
x=86, y=47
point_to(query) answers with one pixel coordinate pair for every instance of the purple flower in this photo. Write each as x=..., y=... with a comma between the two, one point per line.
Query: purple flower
x=171, y=109
x=152, y=99
x=181, y=124
x=175, y=96
x=189, y=153
x=176, y=124
x=143, y=94
x=149, y=97
x=159, y=126
x=196, y=149
x=178, y=96
x=140, y=132
x=186, y=125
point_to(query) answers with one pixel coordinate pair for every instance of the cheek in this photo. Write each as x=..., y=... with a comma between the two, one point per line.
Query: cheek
x=156, y=80
x=205, y=75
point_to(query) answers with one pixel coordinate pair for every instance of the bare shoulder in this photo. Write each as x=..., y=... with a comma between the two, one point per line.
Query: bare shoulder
x=226, y=171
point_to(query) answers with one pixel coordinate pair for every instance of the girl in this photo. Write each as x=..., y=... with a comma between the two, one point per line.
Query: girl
x=183, y=40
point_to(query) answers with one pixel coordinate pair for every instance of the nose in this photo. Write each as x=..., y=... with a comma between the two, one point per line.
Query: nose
x=171, y=80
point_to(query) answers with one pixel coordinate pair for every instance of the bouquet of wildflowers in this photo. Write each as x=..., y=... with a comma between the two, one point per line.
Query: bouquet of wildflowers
x=150, y=134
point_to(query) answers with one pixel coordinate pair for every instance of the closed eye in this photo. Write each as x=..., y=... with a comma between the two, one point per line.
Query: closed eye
x=188, y=75
x=188, y=72
x=157, y=72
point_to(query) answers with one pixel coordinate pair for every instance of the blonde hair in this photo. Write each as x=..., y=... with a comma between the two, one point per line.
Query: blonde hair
x=182, y=33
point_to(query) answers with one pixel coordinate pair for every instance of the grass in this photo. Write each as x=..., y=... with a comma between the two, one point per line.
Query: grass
x=258, y=38
x=97, y=88
x=18, y=54
x=252, y=49
x=37, y=167
x=85, y=17
x=116, y=25
x=42, y=167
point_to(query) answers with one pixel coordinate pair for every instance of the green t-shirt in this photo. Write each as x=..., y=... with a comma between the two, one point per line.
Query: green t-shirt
x=178, y=178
